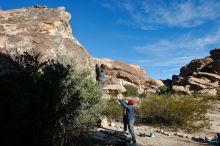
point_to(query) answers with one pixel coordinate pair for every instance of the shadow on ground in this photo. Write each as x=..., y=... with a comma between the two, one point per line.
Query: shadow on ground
x=213, y=142
x=110, y=137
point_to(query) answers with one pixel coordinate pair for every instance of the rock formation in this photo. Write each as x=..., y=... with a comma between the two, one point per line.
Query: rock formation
x=119, y=74
x=46, y=31
x=200, y=75
x=42, y=31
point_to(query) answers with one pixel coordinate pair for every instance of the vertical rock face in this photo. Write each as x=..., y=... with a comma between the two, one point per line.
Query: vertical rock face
x=44, y=31
x=200, y=75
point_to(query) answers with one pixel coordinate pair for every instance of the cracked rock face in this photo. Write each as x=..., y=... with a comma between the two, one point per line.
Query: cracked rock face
x=200, y=75
x=45, y=31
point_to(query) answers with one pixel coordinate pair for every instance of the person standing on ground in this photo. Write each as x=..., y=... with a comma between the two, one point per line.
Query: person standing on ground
x=129, y=116
x=125, y=120
x=119, y=96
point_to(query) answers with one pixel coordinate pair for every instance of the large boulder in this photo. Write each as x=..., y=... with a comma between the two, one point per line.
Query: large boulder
x=43, y=31
x=158, y=83
x=201, y=83
x=178, y=80
x=114, y=88
x=182, y=89
x=46, y=31
x=201, y=75
x=212, y=77
x=118, y=72
x=195, y=66
x=215, y=54
x=216, y=66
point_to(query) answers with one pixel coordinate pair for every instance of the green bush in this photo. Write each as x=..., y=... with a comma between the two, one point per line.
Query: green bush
x=131, y=90
x=206, y=97
x=176, y=111
x=146, y=95
x=81, y=95
x=164, y=89
x=113, y=110
x=47, y=103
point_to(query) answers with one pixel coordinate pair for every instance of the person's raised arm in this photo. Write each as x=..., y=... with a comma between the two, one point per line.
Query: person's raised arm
x=123, y=103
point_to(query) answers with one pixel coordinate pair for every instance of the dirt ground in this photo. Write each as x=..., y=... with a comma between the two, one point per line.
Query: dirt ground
x=169, y=138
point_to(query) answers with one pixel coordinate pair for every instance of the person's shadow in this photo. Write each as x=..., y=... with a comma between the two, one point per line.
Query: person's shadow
x=112, y=137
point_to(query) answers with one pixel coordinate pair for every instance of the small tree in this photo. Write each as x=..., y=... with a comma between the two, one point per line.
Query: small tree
x=131, y=90
x=50, y=103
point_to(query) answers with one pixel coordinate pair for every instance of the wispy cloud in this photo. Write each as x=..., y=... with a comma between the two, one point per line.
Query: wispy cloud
x=171, y=62
x=167, y=66
x=173, y=54
x=183, y=43
x=154, y=14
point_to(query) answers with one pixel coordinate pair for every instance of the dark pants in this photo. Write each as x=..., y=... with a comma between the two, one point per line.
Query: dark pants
x=125, y=123
x=131, y=129
x=101, y=83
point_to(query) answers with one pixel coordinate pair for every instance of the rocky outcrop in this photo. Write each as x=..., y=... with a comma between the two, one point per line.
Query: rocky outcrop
x=46, y=31
x=158, y=83
x=194, y=66
x=120, y=73
x=43, y=31
x=200, y=75
x=215, y=55
x=114, y=88
x=182, y=89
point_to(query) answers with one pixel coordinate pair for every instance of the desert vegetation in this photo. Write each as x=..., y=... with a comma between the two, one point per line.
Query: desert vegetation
x=173, y=111
x=113, y=111
x=47, y=103
x=131, y=90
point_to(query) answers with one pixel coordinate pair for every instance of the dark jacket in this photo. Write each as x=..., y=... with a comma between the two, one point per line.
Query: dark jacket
x=129, y=110
x=100, y=74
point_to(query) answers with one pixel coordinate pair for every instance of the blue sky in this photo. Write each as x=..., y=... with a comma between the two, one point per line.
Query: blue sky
x=159, y=35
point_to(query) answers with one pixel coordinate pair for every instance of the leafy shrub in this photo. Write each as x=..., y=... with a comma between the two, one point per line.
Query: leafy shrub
x=82, y=98
x=182, y=111
x=113, y=110
x=47, y=103
x=131, y=90
x=206, y=97
x=164, y=89
x=146, y=95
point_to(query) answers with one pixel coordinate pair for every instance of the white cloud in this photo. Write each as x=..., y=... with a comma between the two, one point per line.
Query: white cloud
x=183, y=43
x=174, y=62
x=177, y=52
x=187, y=14
x=154, y=14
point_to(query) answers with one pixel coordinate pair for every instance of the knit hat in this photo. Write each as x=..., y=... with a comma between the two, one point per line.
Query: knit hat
x=131, y=102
